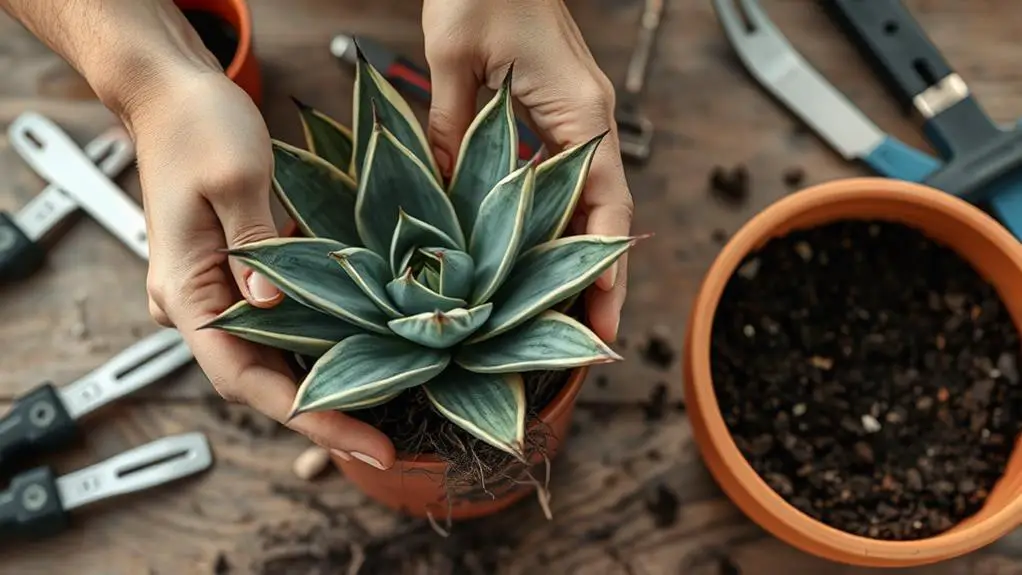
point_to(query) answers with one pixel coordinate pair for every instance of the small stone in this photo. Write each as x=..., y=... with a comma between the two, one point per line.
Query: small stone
x=749, y=331
x=804, y=251
x=798, y=410
x=824, y=363
x=943, y=394
x=870, y=424
x=749, y=269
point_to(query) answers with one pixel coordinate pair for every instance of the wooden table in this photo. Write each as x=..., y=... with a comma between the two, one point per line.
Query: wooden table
x=631, y=496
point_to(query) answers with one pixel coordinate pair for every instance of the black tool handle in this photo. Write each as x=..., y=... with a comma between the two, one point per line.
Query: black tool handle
x=894, y=43
x=31, y=507
x=19, y=255
x=37, y=423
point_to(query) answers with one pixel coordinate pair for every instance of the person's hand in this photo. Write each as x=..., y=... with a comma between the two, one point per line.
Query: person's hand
x=471, y=43
x=205, y=163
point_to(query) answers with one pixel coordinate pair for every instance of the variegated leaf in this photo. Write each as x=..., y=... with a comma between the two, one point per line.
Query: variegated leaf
x=559, y=184
x=550, y=341
x=413, y=297
x=457, y=271
x=396, y=180
x=363, y=367
x=370, y=273
x=289, y=326
x=367, y=403
x=441, y=330
x=488, y=153
x=303, y=270
x=489, y=406
x=326, y=137
x=411, y=233
x=319, y=197
x=547, y=274
x=376, y=97
x=497, y=236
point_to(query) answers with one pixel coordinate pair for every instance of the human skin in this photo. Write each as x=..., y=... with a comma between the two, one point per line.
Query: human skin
x=205, y=162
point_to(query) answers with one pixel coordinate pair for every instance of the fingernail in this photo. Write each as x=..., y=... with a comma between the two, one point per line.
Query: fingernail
x=367, y=459
x=443, y=159
x=261, y=288
x=342, y=454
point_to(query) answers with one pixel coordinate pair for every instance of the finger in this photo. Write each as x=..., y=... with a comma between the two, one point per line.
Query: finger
x=246, y=218
x=244, y=372
x=159, y=316
x=453, y=105
x=604, y=306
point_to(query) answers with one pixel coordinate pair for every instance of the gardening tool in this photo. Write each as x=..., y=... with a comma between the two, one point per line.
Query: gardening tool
x=21, y=252
x=37, y=502
x=55, y=156
x=779, y=68
x=982, y=159
x=408, y=77
x=46, y=418
x=635, y=129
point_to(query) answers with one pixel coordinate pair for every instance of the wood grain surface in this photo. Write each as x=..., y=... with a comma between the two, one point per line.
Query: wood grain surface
x=631, y=496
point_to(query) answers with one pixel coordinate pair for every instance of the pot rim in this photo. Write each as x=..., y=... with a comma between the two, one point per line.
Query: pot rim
x=239, y=10
x=732, y=471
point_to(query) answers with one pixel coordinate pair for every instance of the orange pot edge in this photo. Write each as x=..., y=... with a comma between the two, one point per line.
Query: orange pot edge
x=244, y=67
x=977, y=237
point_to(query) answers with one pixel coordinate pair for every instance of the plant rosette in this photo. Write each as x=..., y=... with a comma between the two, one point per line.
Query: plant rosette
x=456, y=294
x=851, y=373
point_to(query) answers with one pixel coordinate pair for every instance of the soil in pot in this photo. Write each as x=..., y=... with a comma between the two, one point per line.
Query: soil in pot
x=870, y=376
x=216, y=33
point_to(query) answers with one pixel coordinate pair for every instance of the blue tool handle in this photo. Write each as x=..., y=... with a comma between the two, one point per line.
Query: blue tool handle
x=19, y=255
x=38, y=423
x=896, y=159
x=31, y=508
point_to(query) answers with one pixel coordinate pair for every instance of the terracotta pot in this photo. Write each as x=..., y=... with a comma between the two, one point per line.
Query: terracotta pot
x=243, y=68
x=976, y=237
x=414, y=485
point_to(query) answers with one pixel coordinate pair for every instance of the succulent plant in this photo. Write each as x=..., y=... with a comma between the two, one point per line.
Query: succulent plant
x=403, y=280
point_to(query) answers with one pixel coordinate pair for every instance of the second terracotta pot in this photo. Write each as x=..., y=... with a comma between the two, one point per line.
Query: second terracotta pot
x=976, y=237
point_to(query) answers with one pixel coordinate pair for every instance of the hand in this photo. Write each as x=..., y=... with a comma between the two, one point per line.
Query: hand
x=205, y=162
x=566, y=97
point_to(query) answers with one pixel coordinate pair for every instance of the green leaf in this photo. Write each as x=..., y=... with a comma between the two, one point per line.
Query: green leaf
x=411, y=233
x=430, y=279
x=319, y=197
x=375, y=96
x=491, y=407
x=488, y=153
x=289, y=326
x=303, y=270
x=441, y=330
x=497, y=236
x=457, y=271
x=559, y=184
x=396, y=180
x=370, y=402
x=370, y=272
x=363, y=367
x=325, y=137
x=412, y=297
x=551, y=341
x=547, y=274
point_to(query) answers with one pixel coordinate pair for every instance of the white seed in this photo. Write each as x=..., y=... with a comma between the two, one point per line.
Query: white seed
x=870, y=424
x=311, y=462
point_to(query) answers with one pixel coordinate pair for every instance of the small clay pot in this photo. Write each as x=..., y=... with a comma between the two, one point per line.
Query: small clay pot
x=976, y=237
x=242, y=67
x=414, y=484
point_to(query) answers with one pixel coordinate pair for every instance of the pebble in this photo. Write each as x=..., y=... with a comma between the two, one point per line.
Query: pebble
x=870, y=424
x=311, y=462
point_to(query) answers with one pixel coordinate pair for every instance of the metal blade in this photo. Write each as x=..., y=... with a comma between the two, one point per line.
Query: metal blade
x=55, y=156
x=112, y=151
x=141, y=364
x=149, y=465
x=785, y=74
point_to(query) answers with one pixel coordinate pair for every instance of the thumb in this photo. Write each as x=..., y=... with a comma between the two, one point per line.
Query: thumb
x=452, y=109
x=244, y=222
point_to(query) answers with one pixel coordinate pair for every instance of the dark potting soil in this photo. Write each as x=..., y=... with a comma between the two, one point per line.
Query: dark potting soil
x=869, y=376
x=219, y=37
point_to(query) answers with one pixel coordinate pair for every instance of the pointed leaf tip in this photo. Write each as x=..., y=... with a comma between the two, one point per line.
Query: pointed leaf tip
x=299, y=104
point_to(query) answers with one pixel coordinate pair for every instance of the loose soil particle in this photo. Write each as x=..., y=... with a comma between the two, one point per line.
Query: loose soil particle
x=730, y=184
x=870, y=377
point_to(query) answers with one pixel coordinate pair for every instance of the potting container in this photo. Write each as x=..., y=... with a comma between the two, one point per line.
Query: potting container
x=976, y=237
x=414, y=485
x=243, y=68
